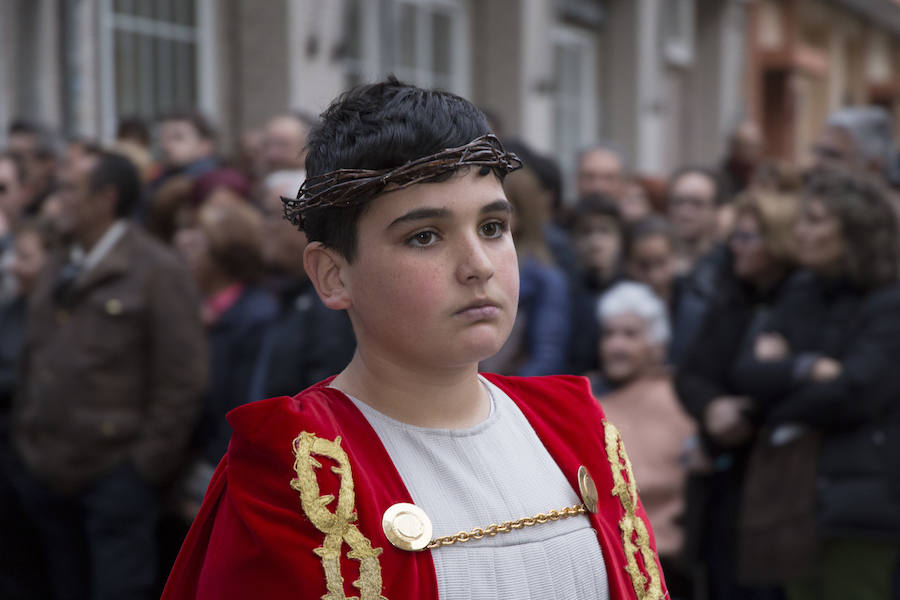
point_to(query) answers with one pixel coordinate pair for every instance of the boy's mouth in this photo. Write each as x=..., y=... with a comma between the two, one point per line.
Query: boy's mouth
x=479, y=310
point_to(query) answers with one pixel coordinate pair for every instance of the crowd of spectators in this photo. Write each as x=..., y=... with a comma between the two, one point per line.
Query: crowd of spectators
x=739, y=322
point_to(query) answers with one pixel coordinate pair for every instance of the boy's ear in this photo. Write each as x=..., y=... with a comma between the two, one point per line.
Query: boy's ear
x=324, y=267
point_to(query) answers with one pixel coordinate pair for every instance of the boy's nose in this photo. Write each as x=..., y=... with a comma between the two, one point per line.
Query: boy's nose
x=474, y=262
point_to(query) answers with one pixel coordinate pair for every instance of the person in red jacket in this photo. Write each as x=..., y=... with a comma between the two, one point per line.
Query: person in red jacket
x=409, y=474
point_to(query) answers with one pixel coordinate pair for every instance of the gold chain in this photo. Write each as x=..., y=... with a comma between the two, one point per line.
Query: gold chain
x=507, y=526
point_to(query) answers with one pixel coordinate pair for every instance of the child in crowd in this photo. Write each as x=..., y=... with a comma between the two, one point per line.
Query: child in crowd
x=409, y=474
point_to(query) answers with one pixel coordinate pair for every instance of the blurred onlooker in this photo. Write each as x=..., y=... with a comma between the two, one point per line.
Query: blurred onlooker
x=21, y=574
x=38, y=149
x=650, y=256
x=693, y=294
x=638, y=398
x=824, y=372
x=308, y=341
x=248, y=156
x=284, y=144
x=634, y=202
x=179, y=198
x=13, y=199
x=29, y=255
x=133, y=140
x=761, y=259
x=694, y=197
x=12, y=192
x=540, y=335
x=597, y=233
x=223, y=249
x=779, y=176
x=188, y=144
x=600, y=172
x=745, y=147
x=171, y=207
x=225, y=186
x=858, y=138
x=113, y=368
x=550, y=200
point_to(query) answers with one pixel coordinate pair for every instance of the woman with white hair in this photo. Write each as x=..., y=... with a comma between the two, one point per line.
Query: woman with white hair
x=640, y=400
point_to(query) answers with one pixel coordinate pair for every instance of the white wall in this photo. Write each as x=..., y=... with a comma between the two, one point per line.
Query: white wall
x=650, y=147
x=536, y=56
x=6, y=56
x=314, y=82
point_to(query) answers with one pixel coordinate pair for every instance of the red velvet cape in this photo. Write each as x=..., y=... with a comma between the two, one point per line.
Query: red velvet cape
x=253, y=540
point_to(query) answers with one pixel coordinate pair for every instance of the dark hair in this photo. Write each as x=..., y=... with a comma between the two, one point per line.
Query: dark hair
x=134, y=128
x=545, y=169
x=595, y=205
x=117, y=171
x=647, y=227
x=234, y=235
x=868, y=222
x=17, y=162
x=23, y=126
x=200, y=123
x=720, y=196
x=46, y=143
x=381, y=126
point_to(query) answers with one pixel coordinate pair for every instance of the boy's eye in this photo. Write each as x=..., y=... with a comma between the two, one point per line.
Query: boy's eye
x=493, y=229
x=423, y=238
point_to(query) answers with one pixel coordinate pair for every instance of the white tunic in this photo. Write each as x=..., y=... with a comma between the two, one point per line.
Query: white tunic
x=493, y=472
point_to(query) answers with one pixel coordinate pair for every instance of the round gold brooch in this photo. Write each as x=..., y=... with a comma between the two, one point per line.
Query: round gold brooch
x=406, y=526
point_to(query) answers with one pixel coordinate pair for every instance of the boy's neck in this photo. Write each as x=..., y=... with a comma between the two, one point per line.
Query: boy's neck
x=438, y=399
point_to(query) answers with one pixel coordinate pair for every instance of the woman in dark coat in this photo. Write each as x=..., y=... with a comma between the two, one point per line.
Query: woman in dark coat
x=222, y=246
x=760, y=260
x=825, y=372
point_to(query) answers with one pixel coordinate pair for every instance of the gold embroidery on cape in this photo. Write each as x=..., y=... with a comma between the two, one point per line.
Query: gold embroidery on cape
x=337, y=526
x=635, y=536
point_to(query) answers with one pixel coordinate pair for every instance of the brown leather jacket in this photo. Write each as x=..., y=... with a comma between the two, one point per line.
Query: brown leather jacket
x=118, y=374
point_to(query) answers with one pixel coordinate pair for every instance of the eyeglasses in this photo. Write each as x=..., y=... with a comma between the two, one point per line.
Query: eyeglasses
x=697, y=202
x=744, y=237
x=827, y=153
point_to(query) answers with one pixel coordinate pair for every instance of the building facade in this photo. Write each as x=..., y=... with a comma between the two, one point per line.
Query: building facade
x=807, y=58
x=664, y=80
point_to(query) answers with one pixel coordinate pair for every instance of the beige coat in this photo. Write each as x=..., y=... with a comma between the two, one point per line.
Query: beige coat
x=655, y=429
x=116, y=376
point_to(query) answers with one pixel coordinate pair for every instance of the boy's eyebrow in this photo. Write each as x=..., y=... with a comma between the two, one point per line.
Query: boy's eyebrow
x=420, y=214
x=501, y=205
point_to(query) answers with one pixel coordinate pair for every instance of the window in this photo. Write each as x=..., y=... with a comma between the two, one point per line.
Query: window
x=155, y=49
x=575, y=107
x=588, y=13
x=420, y=41
x=678, y=31
x=150, y=55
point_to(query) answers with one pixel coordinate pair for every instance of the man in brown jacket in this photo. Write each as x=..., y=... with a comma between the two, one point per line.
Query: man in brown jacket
x=115, y=365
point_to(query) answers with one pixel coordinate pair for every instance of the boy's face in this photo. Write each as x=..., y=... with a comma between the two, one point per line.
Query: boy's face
x=435, y=283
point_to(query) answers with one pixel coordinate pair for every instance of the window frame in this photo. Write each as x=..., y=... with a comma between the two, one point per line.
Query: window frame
x=378, y=23
x=680, y=51
x=201, y=34
x=589, y=103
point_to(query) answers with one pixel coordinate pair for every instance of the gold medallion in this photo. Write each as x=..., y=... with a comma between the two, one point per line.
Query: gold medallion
x=588, y=489
x=407, y=526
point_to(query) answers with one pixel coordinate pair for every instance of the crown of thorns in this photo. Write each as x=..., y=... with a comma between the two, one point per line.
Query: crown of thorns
x=348, y=187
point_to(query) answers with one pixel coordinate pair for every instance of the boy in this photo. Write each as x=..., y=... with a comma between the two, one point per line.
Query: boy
x=359, y=484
